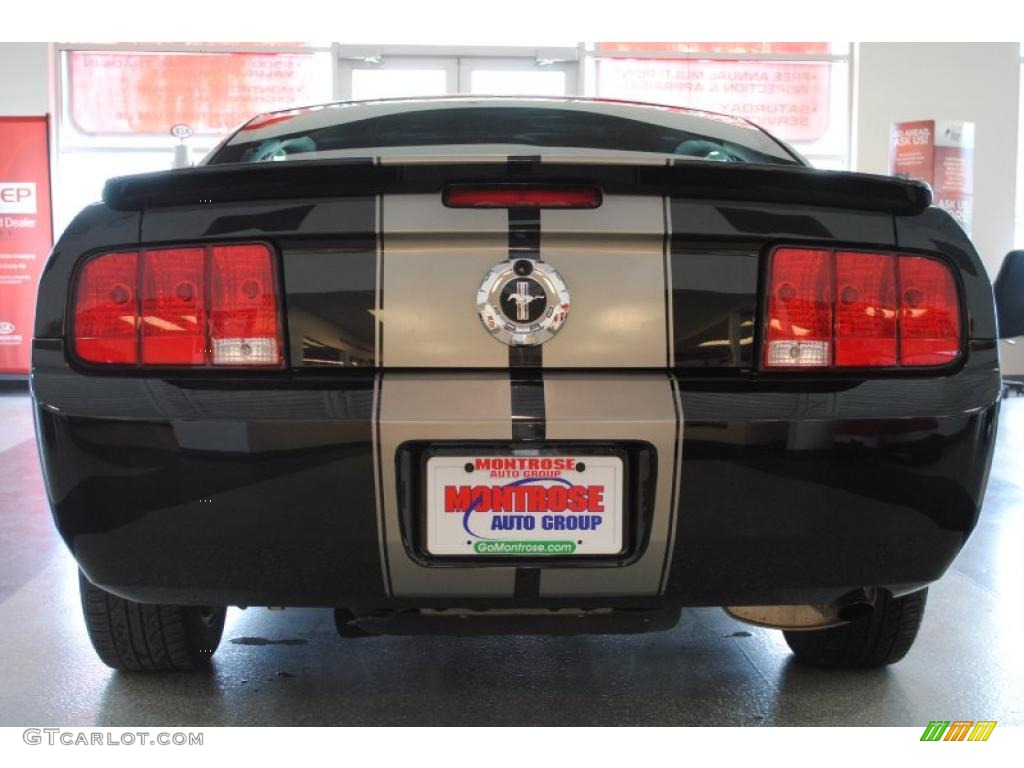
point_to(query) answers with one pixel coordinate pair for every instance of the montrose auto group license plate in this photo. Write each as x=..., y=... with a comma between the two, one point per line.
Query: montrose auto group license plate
x=524, y=506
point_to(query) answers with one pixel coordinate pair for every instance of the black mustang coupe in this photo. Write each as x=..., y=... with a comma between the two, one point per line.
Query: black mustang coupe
x=512, y=365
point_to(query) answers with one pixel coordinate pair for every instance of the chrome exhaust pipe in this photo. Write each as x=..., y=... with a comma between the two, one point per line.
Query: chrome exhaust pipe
x=852, y=606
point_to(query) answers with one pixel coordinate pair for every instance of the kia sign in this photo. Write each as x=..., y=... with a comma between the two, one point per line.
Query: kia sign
x=26, y=234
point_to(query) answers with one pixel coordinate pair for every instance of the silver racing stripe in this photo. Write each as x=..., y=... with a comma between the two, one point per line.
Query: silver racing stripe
x=430, y=262
x=677, y=479
x=432, y=259
x=612, y=259
x=616, y=262
x=641, y=406
x=430, y=407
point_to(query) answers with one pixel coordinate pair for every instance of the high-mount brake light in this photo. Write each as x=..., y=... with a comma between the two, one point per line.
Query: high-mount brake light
x=186, y=306
x=520, y=196
x=851, y=309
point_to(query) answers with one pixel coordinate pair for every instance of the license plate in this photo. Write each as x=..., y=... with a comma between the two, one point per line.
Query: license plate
x=524, y=506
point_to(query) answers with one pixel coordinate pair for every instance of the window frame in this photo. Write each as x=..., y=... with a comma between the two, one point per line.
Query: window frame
x=577, y=60
x=67, y=140
x=458, y=61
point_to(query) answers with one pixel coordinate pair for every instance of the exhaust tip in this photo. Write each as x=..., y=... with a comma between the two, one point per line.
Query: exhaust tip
x=853, y=606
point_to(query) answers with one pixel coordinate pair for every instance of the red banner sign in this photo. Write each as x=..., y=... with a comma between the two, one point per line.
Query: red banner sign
x=26, y=233
x=941, y=153
x=146, y=93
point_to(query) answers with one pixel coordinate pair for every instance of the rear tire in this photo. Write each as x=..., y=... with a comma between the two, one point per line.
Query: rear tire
x=884, y=637
x=138, y=637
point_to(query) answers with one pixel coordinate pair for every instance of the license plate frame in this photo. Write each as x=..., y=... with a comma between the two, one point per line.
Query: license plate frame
x=640, y=462
x=525, y=506
x=618, y=545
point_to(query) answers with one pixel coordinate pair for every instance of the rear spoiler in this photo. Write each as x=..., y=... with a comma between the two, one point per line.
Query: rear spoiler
x=363, y=177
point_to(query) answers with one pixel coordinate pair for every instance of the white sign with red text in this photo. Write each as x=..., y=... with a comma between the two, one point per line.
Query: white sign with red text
x=524, y=506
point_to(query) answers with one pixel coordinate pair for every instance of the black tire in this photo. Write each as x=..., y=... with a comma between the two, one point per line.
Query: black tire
x=883, y=637
x=137, y=637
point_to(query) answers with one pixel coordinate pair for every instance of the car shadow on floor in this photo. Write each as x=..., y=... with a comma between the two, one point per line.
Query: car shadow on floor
x=700, y=673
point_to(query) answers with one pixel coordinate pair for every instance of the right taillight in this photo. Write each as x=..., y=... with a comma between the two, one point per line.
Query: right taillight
x=186, y=306
x=851, y=309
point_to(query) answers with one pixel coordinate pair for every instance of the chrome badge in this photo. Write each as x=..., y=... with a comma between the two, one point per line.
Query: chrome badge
x=523, y=302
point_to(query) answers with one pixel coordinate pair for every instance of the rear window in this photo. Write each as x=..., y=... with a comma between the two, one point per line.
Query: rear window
x=529, y=126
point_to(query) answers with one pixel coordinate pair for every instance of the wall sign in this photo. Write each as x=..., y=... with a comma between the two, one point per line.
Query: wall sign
x=26, y=233
x=941, y=153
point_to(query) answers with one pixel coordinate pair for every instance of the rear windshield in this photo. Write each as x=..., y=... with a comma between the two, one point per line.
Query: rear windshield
x=538, y=127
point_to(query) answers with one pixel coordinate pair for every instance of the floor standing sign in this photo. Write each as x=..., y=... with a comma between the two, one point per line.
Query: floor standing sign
x=940, y=152
x=26, y=234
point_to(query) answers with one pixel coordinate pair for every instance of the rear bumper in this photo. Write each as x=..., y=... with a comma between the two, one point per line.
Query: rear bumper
x=277, y=491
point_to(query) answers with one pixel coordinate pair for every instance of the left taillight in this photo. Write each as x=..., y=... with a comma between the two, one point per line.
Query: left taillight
x=188, y=306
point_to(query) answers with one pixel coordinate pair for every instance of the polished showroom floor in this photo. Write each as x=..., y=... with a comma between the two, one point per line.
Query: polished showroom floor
x=290, y=668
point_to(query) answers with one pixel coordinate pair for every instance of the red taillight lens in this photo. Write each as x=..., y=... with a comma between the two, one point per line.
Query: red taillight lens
x=520, y=196
x=799, y=332
x=929, y=313
x=865, y=309
x=848, y=309
x=243, y=306
x=107, y=310
x=188, y=306
x=174, y=307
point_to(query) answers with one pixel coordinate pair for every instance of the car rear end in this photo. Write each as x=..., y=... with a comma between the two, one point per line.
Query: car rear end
x=278, y=384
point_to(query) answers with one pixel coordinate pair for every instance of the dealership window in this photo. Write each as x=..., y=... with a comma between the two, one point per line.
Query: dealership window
x=406, y=70
x=118, y=104
x=800, y=92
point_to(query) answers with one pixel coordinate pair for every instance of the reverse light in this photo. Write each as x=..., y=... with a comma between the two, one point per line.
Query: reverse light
x=849, y=309
x=243, y=306
x=186, y=306
x=520, y=196
x=799, y=331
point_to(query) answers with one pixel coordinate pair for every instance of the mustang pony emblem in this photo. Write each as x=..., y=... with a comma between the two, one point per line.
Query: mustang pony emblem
x=523, y=302
x=522, y=298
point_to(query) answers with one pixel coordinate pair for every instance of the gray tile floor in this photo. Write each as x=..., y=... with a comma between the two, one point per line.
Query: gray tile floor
x=710, y=670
